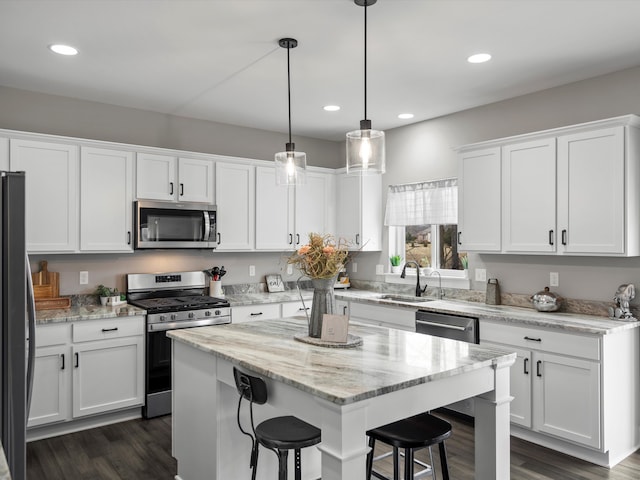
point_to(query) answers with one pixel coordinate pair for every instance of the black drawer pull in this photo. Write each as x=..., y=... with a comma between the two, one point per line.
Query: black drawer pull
x=533, y=339
x=114, y=329
x=62, y=367
x=256, y=314
x=526, y=365
x=303, y=309
x=538, y=363
x=77, y=355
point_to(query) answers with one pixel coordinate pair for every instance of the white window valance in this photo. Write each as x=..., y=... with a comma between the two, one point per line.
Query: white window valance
x=424, y=203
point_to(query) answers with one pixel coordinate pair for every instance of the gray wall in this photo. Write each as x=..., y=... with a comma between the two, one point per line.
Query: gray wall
x=424, y=151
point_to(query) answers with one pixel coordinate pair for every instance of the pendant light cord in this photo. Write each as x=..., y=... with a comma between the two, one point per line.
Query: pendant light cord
x=289, y=90
x=365, y=59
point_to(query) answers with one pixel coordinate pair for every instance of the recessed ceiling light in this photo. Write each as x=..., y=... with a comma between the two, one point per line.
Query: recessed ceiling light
x=63, y=49
x=479, y=58
x=405, y=116
x=331, y=108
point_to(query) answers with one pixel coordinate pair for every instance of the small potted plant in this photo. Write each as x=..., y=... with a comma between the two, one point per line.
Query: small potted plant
x=396, y=263
x=108, y=296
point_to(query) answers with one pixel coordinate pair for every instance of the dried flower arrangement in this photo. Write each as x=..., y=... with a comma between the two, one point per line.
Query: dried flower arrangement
x=322, y=257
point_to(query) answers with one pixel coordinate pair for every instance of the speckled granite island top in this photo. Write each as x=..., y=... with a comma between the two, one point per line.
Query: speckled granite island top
x=388, y=360
x=240, y=299
x=86, y=312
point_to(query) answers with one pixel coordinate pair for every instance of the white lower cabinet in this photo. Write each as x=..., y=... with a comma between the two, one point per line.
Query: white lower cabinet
x=248, y=313
x=555, y=381
x=390, y=317
x=293, y=309
x=86, y=368
x=342, y=307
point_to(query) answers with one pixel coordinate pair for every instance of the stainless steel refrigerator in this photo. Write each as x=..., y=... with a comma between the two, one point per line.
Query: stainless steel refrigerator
x=17, y=323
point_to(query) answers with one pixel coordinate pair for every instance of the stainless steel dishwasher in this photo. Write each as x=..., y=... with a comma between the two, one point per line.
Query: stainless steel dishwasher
x=458, y=327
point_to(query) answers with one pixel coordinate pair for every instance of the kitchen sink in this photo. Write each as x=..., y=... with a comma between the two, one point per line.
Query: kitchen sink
x=406, y=299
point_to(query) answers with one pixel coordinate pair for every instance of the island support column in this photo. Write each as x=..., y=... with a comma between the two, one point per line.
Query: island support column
x=492, y=429
x=344, y=445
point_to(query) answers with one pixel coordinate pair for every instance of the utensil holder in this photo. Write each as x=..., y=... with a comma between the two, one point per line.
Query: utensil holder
x=215, y=288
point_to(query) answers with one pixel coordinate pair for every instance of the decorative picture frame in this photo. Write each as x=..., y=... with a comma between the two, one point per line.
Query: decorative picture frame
x=274, y=283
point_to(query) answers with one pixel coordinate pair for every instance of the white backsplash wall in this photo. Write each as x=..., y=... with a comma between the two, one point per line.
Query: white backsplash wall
x=110, y=269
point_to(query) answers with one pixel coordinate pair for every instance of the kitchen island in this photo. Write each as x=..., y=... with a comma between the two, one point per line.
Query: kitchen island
x=343, y=391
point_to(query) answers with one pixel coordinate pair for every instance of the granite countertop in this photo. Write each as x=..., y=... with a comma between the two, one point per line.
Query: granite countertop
x=388, y=360
x=4, y=468
x=86, y=312
x=240, y=299
x=572, y=322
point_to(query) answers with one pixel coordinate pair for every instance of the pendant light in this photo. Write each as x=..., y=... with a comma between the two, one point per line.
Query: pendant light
x=291, y=166
x=365, y=147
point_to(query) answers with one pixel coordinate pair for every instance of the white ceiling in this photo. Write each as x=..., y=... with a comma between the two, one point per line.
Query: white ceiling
x=219, y=60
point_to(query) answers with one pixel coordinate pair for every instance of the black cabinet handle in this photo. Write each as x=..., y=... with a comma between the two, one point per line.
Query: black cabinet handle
x=114, y=329
x=538, y=363
x=526, y=365
x=357, y=239
x=297, y=239
x=344, y=310
x=129, y=238
x=256, y=314
x=62, y=356
x=171, y=186
x=303, y=309
x=181, y=189
x=291, y=239
x=564, y=237
x=77, y=355
x=533, y=339
x=550, y=237
x=459, y=240
x=219, y=239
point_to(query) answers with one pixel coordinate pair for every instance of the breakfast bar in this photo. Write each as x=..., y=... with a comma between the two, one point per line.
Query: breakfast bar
x=343, y=391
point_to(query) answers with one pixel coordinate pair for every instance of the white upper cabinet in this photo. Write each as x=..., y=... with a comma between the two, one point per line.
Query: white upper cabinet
x=235, y=200
x=568, y=191
x=52, y=193
x=529, y=196
x=359, y=211
x=274, y=212
x=479, y=200
x=106, y=196
x=165, y=177
x=314, y=208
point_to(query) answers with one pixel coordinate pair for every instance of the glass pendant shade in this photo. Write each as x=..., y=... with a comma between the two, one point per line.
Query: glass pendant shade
x=291, y=167
x=365, y=152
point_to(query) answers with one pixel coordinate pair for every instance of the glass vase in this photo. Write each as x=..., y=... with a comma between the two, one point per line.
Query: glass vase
x=324, y=301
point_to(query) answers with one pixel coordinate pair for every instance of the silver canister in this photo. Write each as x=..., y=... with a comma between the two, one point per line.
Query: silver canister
x=492, y=296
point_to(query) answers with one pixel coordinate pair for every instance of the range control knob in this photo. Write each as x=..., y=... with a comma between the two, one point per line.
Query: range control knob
x=173, y=316
x=207, y=313
x=191, y=315
x=217, y=312
x=163, y=318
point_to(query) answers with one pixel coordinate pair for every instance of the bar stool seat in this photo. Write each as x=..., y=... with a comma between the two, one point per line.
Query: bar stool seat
x=410, y=434
x=279, y=434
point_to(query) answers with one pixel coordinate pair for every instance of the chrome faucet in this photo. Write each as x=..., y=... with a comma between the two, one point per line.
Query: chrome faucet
x=440, y=292
x=419, y=291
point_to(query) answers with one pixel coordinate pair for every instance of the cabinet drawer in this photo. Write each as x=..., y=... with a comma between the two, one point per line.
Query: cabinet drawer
x=48, y=335
x=404, y=318
x=89, y=330
x=291, y=309
x=265, y=311
x=532, y=338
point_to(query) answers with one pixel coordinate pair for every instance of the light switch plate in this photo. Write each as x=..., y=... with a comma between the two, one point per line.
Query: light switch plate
x=481, y=275
x=554, y=279
x=354, y=267
x=252, y=270
x=84, y=278
x=289, y=269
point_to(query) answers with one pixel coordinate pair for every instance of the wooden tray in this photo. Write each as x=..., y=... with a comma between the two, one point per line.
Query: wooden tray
x=52, y=303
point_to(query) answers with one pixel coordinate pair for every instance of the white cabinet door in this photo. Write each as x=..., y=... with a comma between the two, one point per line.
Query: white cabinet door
x=107, y=375
x=156, y=176
x=195, y=180
x=50, y=400
x=274, y=212
x=106, y=193
x=359, y=211
x=591, y=191
x=479, y=200
x=529, y=196
x=235, y=200
x=567, y=398
x=314, y=207
x=52, y=193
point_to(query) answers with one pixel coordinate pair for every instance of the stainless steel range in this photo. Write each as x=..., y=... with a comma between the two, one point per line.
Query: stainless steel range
x=172, y=300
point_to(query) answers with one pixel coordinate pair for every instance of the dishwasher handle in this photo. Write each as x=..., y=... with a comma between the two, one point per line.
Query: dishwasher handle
x=442, y=325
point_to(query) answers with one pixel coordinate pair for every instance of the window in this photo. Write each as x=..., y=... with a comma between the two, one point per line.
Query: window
x=422, y=219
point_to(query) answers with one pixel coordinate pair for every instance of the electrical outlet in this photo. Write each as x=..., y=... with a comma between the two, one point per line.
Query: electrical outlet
x=289, y=269
x=481, y=275
x=84, y=278
x=379, y=269
x=252, y=270
x=554, y=279
x=354, y=267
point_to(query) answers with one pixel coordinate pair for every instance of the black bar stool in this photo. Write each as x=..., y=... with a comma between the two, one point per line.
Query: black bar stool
x=410, y=434
x=279, y=434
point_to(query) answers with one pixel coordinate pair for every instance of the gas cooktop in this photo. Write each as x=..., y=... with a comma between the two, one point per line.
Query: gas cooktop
x=176, y=304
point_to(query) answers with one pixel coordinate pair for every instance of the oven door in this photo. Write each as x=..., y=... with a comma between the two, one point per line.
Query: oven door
x=158, y=375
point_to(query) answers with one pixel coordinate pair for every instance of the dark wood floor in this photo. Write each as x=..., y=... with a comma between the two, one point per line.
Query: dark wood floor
x=141, y=450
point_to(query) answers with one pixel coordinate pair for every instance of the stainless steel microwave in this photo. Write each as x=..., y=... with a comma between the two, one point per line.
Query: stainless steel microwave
x=174, y=225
